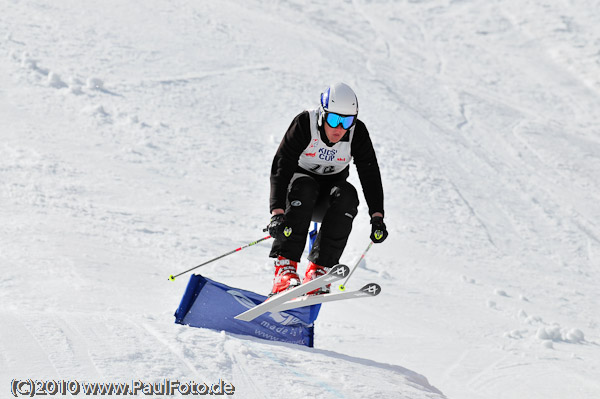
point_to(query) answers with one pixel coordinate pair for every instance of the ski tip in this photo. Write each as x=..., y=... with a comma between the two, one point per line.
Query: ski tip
x=340, y=270
x=372, y=289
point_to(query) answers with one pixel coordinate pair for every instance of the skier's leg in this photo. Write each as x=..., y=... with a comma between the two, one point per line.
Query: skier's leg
x=336, y=226
x=302, y=194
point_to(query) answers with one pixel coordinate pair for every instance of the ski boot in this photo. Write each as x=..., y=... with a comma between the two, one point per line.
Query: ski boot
x=312, y=272
x=286, y=276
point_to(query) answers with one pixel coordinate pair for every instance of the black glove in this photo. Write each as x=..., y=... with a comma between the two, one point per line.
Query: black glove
x=277, y=228
x=378, y=231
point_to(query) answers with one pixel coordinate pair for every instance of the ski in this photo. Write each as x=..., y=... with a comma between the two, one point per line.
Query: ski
x=368, y=291
x=336, y=273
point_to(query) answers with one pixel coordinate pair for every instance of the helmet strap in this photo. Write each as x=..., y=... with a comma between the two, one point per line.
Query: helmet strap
x=321, y=116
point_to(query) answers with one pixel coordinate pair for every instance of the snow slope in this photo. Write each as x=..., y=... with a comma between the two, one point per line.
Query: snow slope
x=136, y=141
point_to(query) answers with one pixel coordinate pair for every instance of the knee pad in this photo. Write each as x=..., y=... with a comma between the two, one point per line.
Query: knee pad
x=303, y=192
x=345, y=197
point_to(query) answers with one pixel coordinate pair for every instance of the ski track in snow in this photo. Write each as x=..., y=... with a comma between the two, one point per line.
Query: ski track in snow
x=137, y=140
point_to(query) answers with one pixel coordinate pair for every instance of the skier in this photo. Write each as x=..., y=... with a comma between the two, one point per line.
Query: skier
x=308, y=182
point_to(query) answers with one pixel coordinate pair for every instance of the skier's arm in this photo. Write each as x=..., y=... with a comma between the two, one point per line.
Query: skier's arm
x=368, y=169
x=285, y=162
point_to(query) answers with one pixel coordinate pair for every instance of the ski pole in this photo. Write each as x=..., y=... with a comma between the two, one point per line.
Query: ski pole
x=172, y=277
x=343, y=286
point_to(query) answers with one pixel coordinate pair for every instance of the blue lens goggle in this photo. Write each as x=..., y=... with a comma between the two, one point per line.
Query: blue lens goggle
x=334, y=120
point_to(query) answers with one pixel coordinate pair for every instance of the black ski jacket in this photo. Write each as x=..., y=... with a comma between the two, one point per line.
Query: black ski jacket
x=296, y=140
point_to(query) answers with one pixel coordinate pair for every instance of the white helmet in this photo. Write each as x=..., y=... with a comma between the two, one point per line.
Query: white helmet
x=338, y=98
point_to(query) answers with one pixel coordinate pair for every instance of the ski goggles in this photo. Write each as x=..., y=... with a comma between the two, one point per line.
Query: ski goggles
x=334, y=120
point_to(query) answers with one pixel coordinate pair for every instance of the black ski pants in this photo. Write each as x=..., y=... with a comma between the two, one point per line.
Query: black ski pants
x=334, y=203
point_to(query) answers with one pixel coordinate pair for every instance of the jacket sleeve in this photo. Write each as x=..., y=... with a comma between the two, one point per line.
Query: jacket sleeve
x=285, y=162
x=368, y=168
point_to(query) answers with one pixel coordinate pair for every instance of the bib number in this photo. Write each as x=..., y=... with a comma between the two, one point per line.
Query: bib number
x=322, y=169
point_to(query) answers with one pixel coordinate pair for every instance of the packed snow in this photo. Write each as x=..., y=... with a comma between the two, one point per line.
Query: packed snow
x=137, y=139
